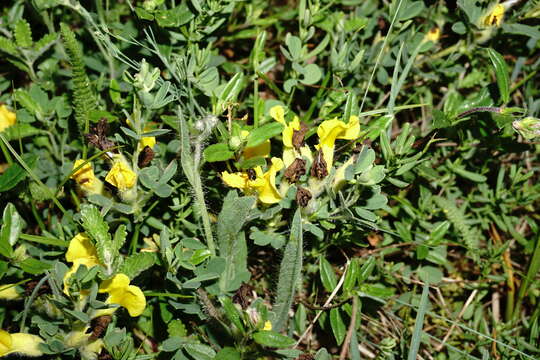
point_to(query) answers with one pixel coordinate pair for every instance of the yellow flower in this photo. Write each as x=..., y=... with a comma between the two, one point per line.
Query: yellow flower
x=121, y=174
x=120, y=292
x=278, y=113
x=267, y=325
x=7, y=118
x=434, y=34
x=20, y=343
x=80, y=251
x=86, y=179
x=8, y=292
x=255, y=151
x=331, y=130
x=264, y=184
x=495, y=16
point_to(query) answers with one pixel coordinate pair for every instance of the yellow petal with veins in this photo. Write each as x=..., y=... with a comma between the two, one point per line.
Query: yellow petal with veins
x=120, y=292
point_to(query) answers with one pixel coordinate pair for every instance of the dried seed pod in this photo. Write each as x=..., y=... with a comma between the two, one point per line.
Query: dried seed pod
x=302, y=196
x=145, y=157
x=319, y=167
x=31, y=285
x=298, y=136
x=104, y=355
x=295, y=170
x=243, y=295
x=99, y=325
x=98, y=135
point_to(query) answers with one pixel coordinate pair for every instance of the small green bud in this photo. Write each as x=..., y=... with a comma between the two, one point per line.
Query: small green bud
x=235, y=142
x=146, y=78
x=528, y=127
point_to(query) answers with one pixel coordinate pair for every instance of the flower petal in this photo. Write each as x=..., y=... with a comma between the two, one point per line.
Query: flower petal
x=278, y=113
x=80, y=247
x=121, y=175
x=120, y=292
x=235, y=180
x=259, y=150
x=7, y=118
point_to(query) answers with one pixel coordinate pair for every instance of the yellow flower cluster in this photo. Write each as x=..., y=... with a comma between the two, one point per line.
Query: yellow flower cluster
x=121, y=176
x=81, y=251
x=263, y=184
x=7, y=118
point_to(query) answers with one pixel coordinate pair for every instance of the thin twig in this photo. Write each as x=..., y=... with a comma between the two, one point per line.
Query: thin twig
x=467, y=303
x=327, y=302
x=352, y=327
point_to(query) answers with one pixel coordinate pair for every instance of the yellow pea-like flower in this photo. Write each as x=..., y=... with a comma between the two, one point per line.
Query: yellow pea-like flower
x=86, y=178
x=80, y=251
x=331, y=130
x=20, y=343
x=120, y=292
x=121, y=175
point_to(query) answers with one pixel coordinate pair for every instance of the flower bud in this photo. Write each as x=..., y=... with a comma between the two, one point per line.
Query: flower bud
x=528, y=127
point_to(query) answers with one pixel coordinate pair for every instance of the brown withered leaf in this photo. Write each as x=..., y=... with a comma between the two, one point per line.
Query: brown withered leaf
x=99, y=325
x=298, y=136
x=295, y=170
x=145, y=157
x=98, y=135
x=319, y=166
x=302, y=196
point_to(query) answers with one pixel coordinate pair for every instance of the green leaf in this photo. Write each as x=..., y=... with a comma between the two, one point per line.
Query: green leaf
x=34, y=266
x=289, y=273
x=338, y=326
x=200, y=351
x=15, y=173
x=418, y=325
x=8, y=46
x=312, y=74
x=230, y=92
x=21, y=130
x=218, y=152
x=501, y=73
x=176, y=328
x=12, y=224
x=263, y=133
x=98, y=230
x=228, y=353
x=232, y=313
x=328, y=277
x=135, y=264
x=430, y=274
x=351, y=276
x=231, y=241
x=23, y=34
x=272, y=339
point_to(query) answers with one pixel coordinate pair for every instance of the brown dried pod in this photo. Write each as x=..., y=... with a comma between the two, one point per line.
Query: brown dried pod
x=31, y=285
x=104, y=355
x=302, y=196
x=305, y=357
x=295, y=170
x=98, y=135
x=99, y=325
x=243, y=296
x=298, y=136
x=319, y=166
x=145, y=157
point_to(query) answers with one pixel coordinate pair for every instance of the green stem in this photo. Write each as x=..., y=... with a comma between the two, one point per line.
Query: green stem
x=534, y=267
x=203, y=211
x=256, y=103
x=318, y=96
x=6, y=154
